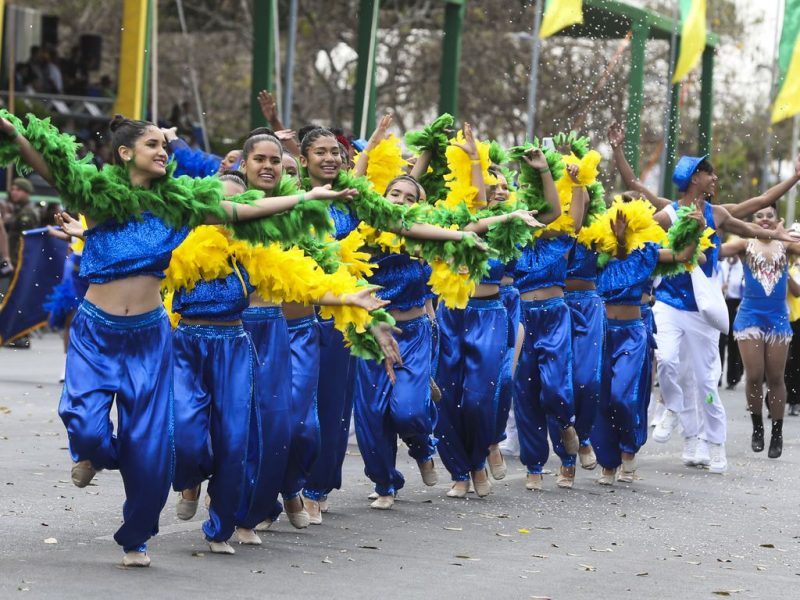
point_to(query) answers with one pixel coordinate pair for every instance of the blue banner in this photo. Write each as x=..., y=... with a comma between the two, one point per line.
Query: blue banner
x=39, y=267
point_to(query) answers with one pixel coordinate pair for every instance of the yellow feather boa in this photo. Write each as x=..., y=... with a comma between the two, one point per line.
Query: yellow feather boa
x=204, y=255
x=703, y=244
x=642, y=227
x=385, y=163
x=454, y=289
x=77, y=244
x=350, y=255
x=459, y=179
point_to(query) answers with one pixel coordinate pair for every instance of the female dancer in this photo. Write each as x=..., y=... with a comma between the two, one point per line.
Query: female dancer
x=543, y=385
x=762, y=326
x=474, y=344
x=322, y=159
x=121, y=347
x=620, y=429
x=394, y=400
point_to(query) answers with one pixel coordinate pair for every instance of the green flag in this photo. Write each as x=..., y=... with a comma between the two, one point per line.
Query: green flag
x=791, y=27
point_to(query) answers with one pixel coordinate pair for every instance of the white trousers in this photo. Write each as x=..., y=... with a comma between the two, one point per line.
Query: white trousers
x=689, y=369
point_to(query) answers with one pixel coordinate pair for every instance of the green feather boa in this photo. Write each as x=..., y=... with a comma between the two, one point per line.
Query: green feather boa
x=531, y=189
x=579, y=145
x=365, y=345
x=434, y=138
x=683, y=233
x=107, y=194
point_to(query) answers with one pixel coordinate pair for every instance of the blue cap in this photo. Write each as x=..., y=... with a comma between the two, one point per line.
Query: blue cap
x=359, y=144
x=687, y=165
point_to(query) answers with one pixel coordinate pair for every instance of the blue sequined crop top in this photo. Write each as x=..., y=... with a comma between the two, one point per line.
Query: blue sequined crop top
x=216, y=300
x=582, y=263
x=404, y=281
x=496, y=271
x=344, y=221
x=136, y=247
x=543, y=265
x=624, y=281
x=677, y=291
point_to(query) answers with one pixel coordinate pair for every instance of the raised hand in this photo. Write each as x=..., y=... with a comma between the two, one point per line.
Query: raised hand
x=536, y=159
x=170, y=133
x=619, y=226
x=573, y=170
x=616, y=135
x=786, y=235
x=469, y=146
x=269, y=107
x=286, y=134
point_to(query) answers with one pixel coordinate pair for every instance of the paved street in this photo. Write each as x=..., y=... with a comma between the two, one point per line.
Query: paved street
x=676, y=533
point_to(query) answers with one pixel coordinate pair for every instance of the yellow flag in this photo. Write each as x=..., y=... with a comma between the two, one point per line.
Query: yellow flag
x=693, y=39
x=787, y=104
x=559, y=14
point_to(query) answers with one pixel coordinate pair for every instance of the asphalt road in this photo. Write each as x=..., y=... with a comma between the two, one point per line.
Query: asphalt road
x=677, y=532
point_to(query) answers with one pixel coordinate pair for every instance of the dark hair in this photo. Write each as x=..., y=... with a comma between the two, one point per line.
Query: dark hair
x=312, y=136
x=260, y=134
x=705, y=166
x=301, y=133
x=124, y=132
x=400, y=178
x=234, y=176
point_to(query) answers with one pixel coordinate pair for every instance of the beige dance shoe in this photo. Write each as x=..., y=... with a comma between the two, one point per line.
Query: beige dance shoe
x=459, y=489
x=587, y=457
x=496, y=462
x=427, y=470
x=534, y=481
x=135, y=559
x=569, y=437
x=566, y=477
x=82, y=473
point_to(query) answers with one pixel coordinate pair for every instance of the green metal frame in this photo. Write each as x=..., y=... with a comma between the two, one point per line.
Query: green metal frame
x=367, y=48
x=148, y=43
x=451, y=56
x=610, y=19
x=263, y=57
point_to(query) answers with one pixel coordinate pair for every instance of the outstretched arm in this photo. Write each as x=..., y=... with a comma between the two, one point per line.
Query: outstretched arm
x=768, y=198
x=725, y=221
x=32, y=157
x=265, y=207
x=732, y=248
x=616, y=137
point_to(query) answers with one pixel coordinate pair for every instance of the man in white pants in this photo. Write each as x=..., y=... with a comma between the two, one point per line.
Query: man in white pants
x=684, y=336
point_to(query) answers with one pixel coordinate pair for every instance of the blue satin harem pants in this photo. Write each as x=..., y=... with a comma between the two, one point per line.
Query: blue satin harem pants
x=384, y=412
x=214, y=395
x=129, y=361
x=473, y=348
x=543, y=382
x=510, y=297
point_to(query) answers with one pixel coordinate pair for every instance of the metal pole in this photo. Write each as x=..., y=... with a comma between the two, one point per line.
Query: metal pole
x=12, y=77
x=451, y=56
x=793, y=150
x=288, y=78
x=673, y=54
x=193, y=76
x=633, y=124
x=277, y=53
x=364, y=114
x=154, y=62
x=263, y=59
x=772, y=92
x=534, y=82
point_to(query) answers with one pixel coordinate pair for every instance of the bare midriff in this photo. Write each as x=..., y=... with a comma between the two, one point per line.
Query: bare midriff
x=545, y=293
x=624, y=312
x=126, y=297
x=580, y=285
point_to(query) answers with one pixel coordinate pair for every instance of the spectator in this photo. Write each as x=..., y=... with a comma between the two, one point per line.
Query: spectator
x=732, y=281
x=54, y=79
x=22, y=216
